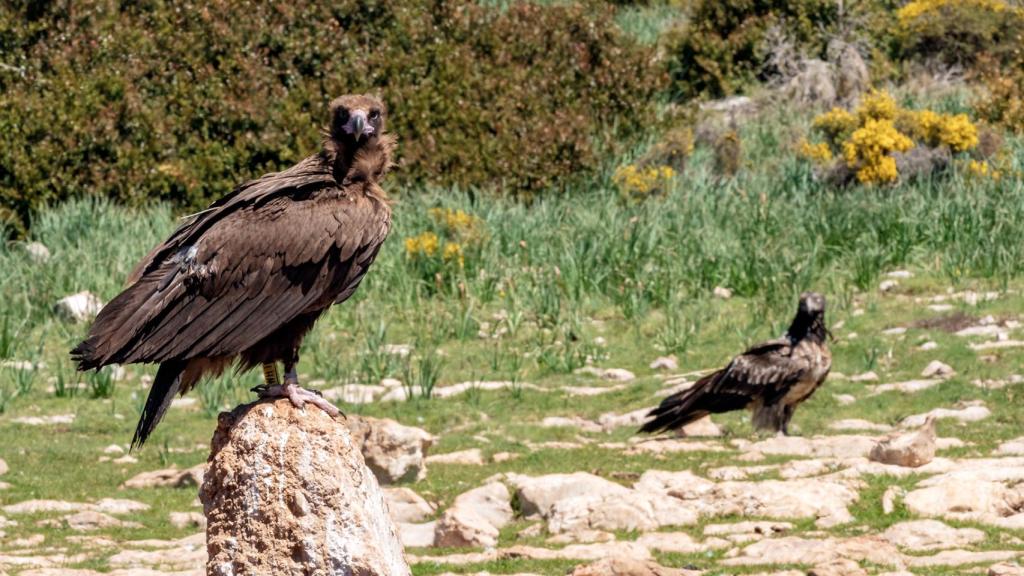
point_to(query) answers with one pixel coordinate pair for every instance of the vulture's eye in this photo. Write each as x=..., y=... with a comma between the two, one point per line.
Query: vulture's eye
x=374, y=114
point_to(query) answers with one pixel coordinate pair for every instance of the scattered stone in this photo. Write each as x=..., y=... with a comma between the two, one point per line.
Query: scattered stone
x=632, y=510
x=889, y=498
x=354, y=393
x=484, y=386
x=1013, y=447
x=126, y=459
x=998, y=384
x=490, y=501
x=888, y=285
x=537, y=494
x=618, y=375
x=416, y=535
x=869, y=376
x=721, y=293
x=895, y=331
x=839, y=446
x=574, y=422
x=929, y=345
x=839, y=567
x=616, y=566
x=3, y=467
x=966, y=414
x=858, y=424
x=597, y=551
x=815, y=552
x=909, y=449
x=187, y=520
x=499, y=457
x=926, y=535
x=900, y=274
x=591, y=390
x=581, y=537
x=748, y=530
x=610, y=420
x=937, y=369
x=671, y=446
x=113, y=449
x=167, y=478
x=27, y=542
x=394, y=452
x=80, y=307
x=1006, y=569
x=665, y=363
x=701, y=427
x=37, y=252
x=405, y=505
x=824, y=500
x=961, y=558
x=89, y=520
x=41, y=506
x=120, y=506
x=907, y=387
x=470, y=457
x=45, y=420
x=463, y=527
x=844, y=399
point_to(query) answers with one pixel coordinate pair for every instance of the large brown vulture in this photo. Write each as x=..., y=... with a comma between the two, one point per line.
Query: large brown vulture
x=245, y=280
x=772, y=378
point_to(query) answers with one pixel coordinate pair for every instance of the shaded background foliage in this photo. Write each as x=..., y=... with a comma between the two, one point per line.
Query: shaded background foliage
x=151, y=100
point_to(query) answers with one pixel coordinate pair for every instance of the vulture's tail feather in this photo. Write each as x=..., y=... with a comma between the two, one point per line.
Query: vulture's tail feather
x=692, y=404
x=165, y=387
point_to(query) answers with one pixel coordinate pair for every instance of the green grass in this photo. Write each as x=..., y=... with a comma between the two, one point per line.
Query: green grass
x=551, y=277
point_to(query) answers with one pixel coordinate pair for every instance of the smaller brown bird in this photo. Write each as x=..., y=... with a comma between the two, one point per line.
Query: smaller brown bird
x=771, y=378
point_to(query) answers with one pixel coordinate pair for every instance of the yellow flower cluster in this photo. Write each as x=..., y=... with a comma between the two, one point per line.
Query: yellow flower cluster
x=909, y=13
x=635, y=182
x=869, y=150
x=454, y=232
x=836, y=124
x=868, y=136
x=819, y=152
x=423, y=245
x=453, y=253
x=455, y=222
x=983, y=169
x=877, y=105
x=953, y=130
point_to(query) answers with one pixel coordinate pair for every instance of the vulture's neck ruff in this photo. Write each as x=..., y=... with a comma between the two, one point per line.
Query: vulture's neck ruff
x=808, y=326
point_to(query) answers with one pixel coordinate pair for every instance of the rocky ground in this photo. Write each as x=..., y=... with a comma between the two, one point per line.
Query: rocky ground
x=909, y=461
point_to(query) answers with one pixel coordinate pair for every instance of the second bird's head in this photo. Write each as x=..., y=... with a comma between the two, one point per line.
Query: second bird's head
x=812, y=303
x=356, y=118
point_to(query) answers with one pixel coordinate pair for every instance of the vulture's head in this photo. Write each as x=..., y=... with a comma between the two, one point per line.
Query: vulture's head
x=812, y=304
x=356, y=118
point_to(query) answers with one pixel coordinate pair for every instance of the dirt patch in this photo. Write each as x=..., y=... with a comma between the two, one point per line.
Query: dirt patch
x=951, y=323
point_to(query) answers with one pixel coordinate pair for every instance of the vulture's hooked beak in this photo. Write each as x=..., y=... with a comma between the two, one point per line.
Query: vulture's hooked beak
x=357, y=125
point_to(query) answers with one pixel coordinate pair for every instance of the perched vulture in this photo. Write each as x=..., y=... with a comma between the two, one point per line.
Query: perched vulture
x=244, y=280
x=772, y=378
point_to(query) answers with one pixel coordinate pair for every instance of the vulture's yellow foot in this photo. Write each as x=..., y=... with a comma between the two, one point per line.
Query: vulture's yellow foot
x=298, y=395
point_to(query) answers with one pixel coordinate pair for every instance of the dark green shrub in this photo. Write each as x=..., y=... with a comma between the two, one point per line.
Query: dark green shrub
x=728, y=44
x=181, y=101
x=958, y=32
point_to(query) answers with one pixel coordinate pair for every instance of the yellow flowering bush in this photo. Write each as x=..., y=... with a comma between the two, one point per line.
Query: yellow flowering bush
x=836, y=124
x=421, y=246
x=870, y=149
x=934, y=129
x=982, y=169
x=453, y=241
x=869, y=138
x=637, y=183
x=819, y=152
x=877, y=105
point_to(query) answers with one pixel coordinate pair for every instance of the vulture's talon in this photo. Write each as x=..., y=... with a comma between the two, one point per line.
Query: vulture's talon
x=298, y=396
